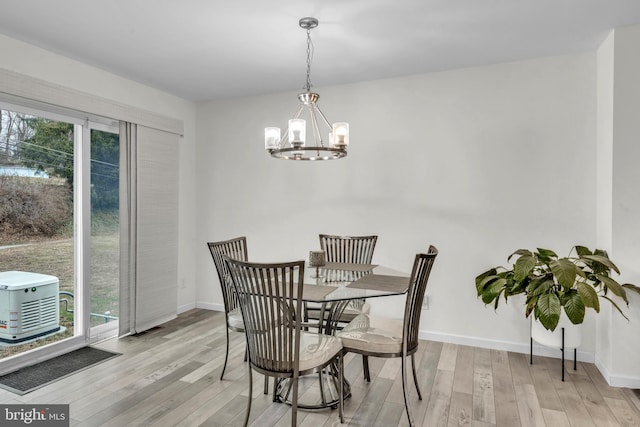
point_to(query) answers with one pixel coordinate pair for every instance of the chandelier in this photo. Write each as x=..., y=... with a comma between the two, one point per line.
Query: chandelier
x=294, y=144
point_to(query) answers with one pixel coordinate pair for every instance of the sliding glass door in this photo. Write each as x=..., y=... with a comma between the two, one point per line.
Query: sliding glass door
x=105, y=230
x=59, y=198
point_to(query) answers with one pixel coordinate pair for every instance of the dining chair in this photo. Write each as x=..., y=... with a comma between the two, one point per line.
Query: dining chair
x=234, y=248
x=380, y=337
x=351, y=250
x=269, y=296
x=348, y=249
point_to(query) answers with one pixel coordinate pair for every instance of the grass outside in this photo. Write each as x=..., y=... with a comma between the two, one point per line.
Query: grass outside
x=55, y=257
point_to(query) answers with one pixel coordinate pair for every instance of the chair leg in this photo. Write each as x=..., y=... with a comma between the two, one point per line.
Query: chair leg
x=246, y=418
x=341, y=388
x=294, y=402
x=415, y=377
x=365, y=368
x=226, y=356
x=405, y=391
x=266, y=384
x=321, y=383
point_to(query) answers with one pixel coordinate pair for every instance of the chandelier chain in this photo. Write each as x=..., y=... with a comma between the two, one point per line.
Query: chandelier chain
x=309, y=56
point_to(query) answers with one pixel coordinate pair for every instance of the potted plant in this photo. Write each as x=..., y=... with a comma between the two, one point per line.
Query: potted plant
x=554, y=285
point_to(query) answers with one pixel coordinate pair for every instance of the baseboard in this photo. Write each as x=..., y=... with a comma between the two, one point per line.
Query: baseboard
x=583, y=356
x=210, y=306
x=203, y=305
x=617, y=380
x=186, y=307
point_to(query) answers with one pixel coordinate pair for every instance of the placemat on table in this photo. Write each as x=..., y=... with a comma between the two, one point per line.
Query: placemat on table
x=348, y=266
x=316, y=292
x=380, y=282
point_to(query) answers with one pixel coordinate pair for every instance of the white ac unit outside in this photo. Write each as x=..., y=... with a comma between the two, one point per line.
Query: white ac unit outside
x=29, y=306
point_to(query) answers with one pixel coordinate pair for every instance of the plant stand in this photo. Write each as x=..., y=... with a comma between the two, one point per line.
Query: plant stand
x=575, y=353
x=565, y=335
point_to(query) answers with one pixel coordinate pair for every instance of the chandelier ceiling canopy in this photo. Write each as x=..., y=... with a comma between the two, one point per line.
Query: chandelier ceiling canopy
x=296, y=144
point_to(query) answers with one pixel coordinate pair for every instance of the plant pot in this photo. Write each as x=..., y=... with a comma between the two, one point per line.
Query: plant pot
x=572, y=334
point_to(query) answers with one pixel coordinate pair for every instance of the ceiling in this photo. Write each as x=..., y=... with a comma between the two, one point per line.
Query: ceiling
x=209, y=49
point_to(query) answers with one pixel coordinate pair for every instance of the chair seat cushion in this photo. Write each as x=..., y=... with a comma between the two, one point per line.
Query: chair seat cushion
x=235, y=321
x=372, y=334
x=317, y=349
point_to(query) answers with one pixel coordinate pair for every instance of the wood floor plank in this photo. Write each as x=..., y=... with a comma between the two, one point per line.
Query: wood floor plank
x=545, y=391
x=427, y=359
x=448, y=357
x=440, y=399
x=507, y=413
x=426, y=363
x=528, y=406
x=170, y=377
x=593, y=400
x=389, y=415
x=391, y=368
x=623, y=412
x=369, y=408
x=463, y=377
x=484, y=409
x=598, y=380
x=520, y=368
x=461, y=409
x=130, y=402
x=571, y=401
x=554, y=418
x=633, y=397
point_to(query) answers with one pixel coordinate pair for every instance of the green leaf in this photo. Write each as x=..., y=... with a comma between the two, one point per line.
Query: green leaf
x=603, y=261
x=546, y=255
x=582, y=251
x=523, y=266
x=481, y=279
x=531, y=305
x=520, y=252
x=540, y=286
x=632, y=287
x=489, y=272
x=615, y=305
x=614, y=286
x=600, y=252
x=565, y=272
x=548, y=310
x=574, y=307
x=493, y=290
x=589, y=296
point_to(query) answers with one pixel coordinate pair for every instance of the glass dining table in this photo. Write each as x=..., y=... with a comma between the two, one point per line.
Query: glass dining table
x=332, y=287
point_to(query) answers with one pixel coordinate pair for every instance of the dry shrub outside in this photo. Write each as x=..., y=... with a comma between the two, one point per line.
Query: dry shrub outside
x=33, y=207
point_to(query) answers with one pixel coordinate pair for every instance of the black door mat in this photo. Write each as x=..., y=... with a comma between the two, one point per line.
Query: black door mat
x=33, y=377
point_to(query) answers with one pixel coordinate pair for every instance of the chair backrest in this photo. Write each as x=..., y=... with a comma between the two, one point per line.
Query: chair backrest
x=271, y=309
x=415, y=295
x=351, y=249
x=234, y=248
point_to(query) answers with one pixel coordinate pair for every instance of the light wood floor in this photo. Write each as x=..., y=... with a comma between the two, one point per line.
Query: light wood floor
x=170, y=377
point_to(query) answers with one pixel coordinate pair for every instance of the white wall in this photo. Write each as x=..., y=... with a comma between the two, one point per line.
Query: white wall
x=604, y=185
x=479, y=161
x=34, y=62
x=625, y=335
